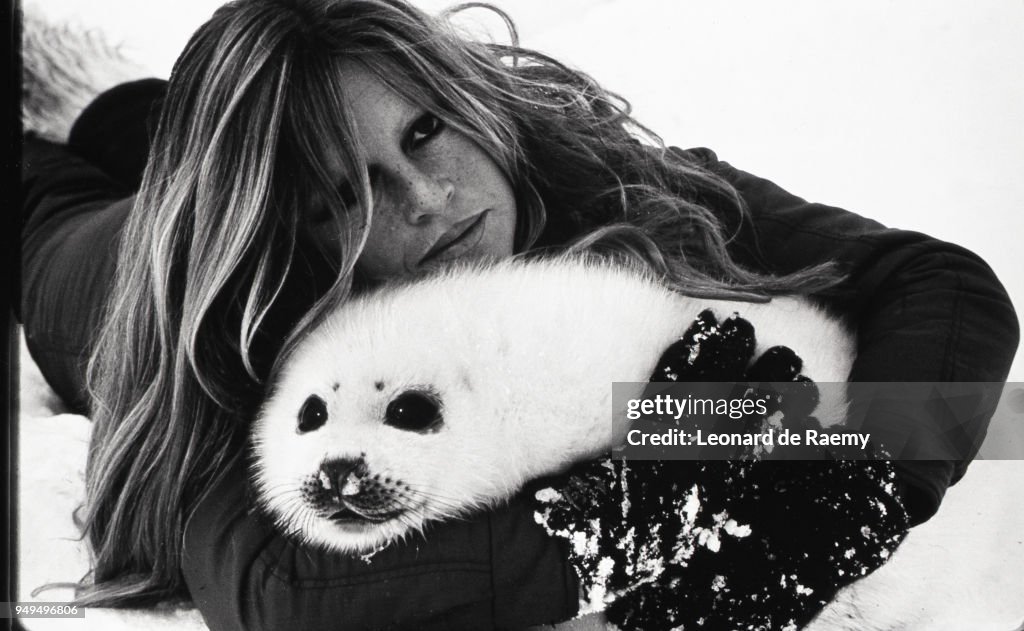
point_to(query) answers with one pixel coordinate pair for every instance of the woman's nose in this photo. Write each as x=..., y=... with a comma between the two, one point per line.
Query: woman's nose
x=428, y=194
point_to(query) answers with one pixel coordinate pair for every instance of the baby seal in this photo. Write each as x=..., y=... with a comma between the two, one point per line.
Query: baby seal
x=430, y=399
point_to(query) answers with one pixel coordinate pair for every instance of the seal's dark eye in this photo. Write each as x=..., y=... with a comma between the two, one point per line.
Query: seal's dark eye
x=312, y=415
x=414, y=411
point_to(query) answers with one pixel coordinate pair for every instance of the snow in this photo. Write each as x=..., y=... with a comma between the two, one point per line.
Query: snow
x=734, y=529
x=51, y=468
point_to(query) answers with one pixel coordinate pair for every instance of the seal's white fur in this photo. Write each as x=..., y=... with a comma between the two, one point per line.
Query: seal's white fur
x=521, y=356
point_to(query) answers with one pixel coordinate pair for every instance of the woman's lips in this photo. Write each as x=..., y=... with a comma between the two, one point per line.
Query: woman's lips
x=461, y=238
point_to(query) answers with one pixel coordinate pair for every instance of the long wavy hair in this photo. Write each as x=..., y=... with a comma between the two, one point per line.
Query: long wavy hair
x=253, y=110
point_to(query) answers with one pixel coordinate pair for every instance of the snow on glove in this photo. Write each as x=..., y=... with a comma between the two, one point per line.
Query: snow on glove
x=731, y=544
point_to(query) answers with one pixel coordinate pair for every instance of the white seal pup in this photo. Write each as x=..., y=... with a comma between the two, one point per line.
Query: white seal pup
x=426, y=400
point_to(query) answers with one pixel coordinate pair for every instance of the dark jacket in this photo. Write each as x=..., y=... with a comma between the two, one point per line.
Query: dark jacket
x=925, y=311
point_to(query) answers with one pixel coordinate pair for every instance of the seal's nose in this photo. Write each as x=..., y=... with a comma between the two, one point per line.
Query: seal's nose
x=343, y=477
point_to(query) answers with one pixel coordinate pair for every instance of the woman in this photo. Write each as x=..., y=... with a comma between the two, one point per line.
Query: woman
x=306, y=149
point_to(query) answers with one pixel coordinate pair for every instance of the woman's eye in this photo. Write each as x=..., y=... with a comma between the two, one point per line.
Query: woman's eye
x=423, y=129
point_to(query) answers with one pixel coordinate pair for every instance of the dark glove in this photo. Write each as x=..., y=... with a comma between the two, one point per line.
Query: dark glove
x=724, y=544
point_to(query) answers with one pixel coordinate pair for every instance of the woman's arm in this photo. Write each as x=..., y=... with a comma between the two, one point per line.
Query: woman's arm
x=925, y=310
x=497, y=570
x=72, y=213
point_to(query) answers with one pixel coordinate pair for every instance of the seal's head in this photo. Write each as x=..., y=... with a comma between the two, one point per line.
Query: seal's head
x=354, y=458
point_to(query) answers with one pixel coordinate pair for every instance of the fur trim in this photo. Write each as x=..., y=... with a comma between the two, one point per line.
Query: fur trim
x=64, y=67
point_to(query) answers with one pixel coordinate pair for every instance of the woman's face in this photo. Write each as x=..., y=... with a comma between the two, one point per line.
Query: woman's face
x=438, y=197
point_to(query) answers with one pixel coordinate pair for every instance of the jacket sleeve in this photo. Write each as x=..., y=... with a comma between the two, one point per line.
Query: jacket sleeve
x=924, y=310
x=71, y=216
x=496, y=570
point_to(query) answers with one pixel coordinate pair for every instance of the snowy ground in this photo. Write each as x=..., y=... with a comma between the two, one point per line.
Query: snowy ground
x=911, y=113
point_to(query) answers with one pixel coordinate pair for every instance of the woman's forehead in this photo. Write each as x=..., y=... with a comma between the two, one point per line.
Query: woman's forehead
x=375, y=107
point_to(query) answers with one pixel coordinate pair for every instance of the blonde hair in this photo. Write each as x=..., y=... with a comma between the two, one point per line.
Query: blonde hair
x=253, y=109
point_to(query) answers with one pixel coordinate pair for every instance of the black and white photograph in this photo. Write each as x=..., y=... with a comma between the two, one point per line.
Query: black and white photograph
x=575, y=315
